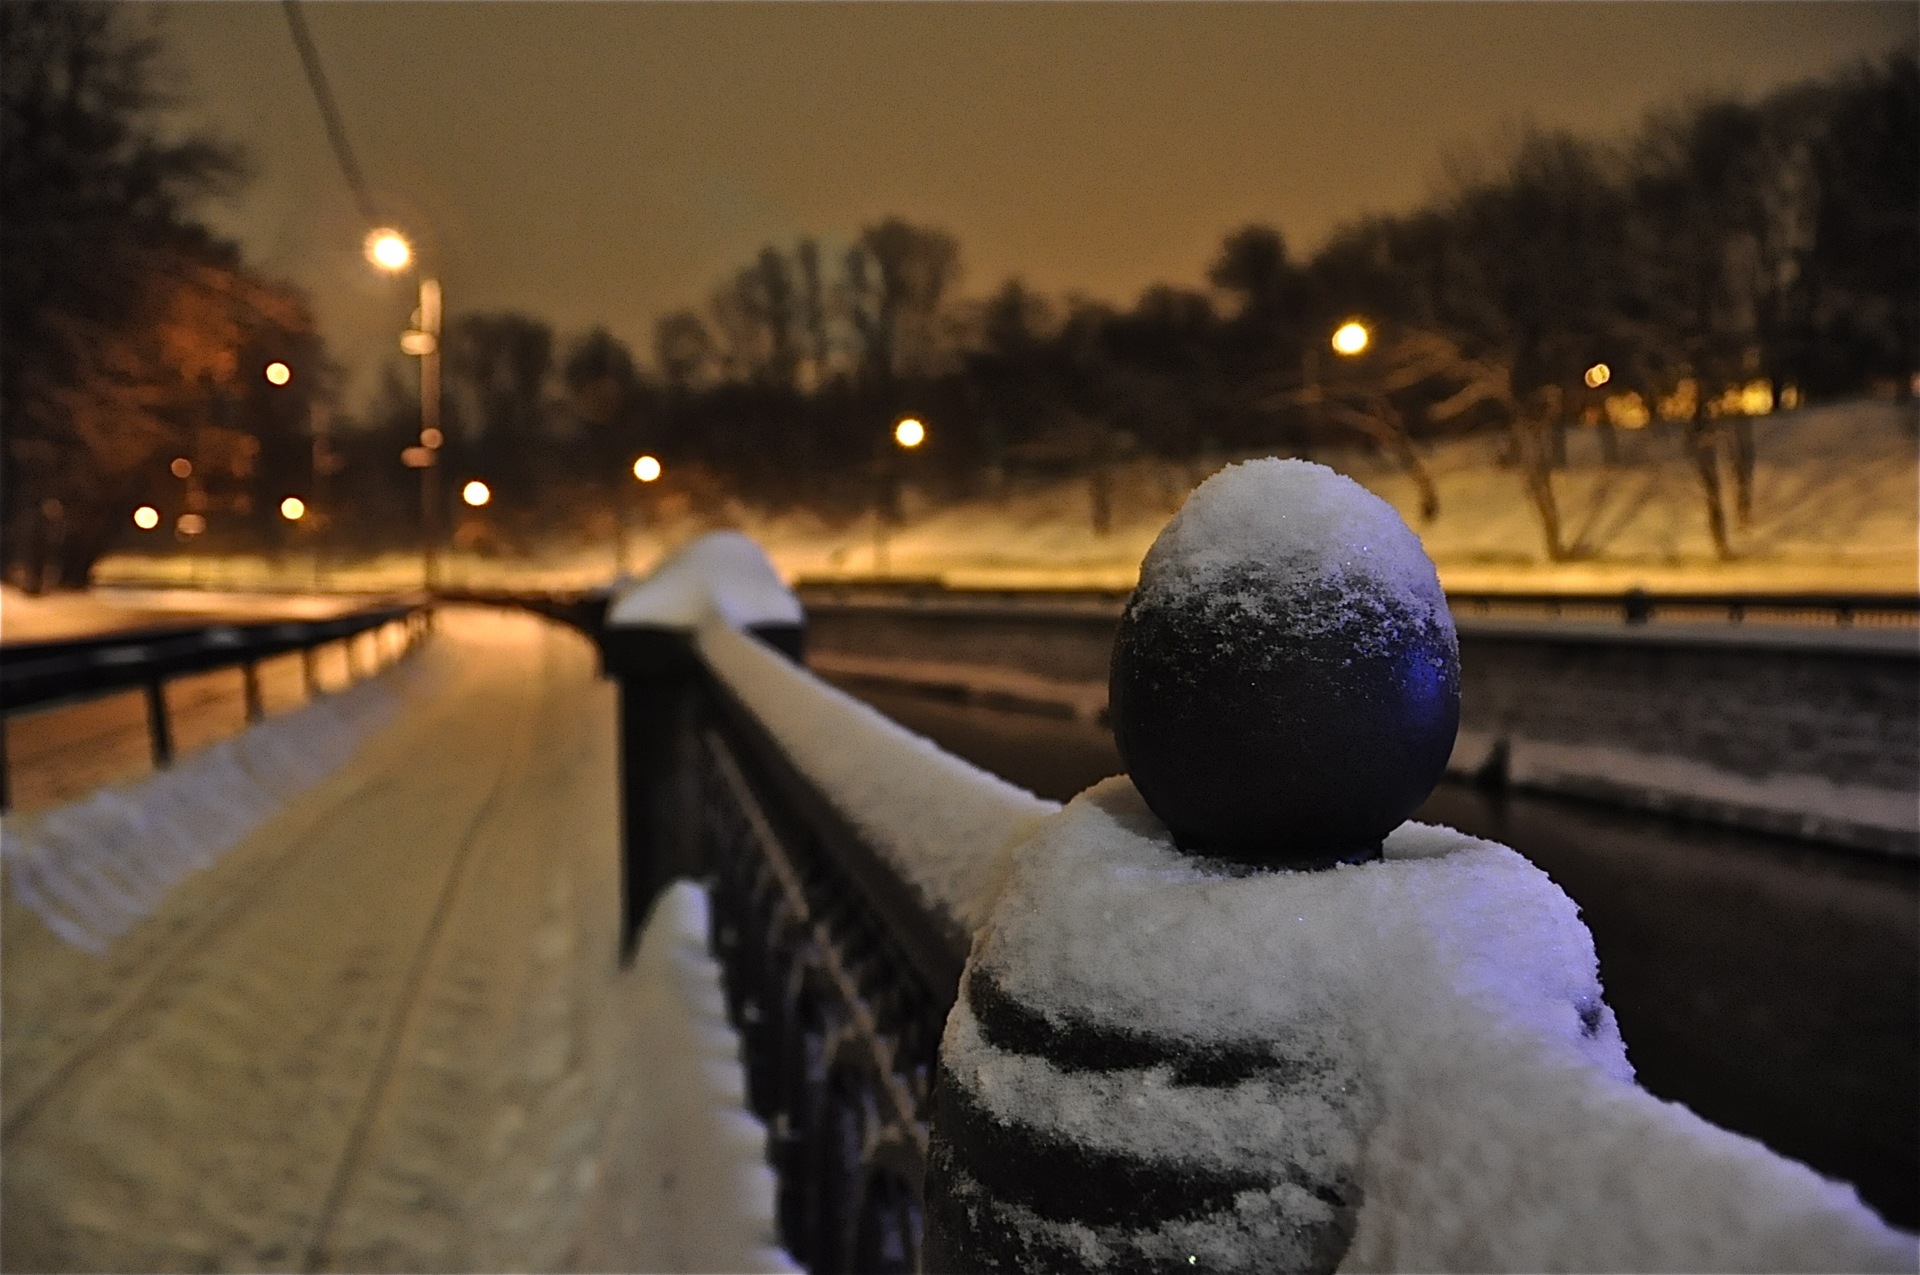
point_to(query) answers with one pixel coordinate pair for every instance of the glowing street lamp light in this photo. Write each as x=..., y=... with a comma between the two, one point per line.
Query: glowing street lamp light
x=646, y=469
x=278, y=373
x=181, y=467
x=476, y=493
x=146, y=517
x=1351, y=337
x=387, y=249
x=1597, y=375
x=293, y=509
x=909, y=433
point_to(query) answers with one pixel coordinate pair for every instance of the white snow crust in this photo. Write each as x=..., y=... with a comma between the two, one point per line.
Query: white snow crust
x=1255, y=535
x=1448, y=984
x=722, y=575
x=94, y=868
x=942, y=823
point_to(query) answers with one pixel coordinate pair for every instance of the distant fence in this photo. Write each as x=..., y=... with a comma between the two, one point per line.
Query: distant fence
x=38, y=675
x=856, y=870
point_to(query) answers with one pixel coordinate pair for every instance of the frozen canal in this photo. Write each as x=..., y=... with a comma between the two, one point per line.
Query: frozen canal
x=1772, y=987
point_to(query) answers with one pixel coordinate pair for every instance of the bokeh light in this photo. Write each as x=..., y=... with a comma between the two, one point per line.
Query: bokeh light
x=476, y=493
x=388, y=250
x=146, y=517
x=1351, y=337
x=293, y=509
x=909, y=433
x=181, y=467
x=278, y=373
x=646, y=469
x=1597, y=375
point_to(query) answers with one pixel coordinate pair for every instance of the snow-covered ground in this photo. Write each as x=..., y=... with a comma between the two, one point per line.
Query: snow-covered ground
x=1836, y=507
x=386, y=1028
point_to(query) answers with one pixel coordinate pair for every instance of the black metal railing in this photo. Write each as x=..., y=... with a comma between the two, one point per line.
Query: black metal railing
x=40, y=675
x=837, y=978
x=840, y=966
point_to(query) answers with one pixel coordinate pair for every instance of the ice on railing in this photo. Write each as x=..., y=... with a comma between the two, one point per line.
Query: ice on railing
x=722, y=576
x=1409, y=1060
x=942, y=823
x=93, y=869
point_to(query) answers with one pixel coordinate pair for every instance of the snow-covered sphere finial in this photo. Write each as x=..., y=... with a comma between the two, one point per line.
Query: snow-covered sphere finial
x=1286, y=680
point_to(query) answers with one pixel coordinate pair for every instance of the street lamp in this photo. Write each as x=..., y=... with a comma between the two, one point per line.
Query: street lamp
x=476, y=493
x=646, y=469
x=390, y=251
x=146, y=517
x=278, y=373
x=293, y=509
x=1351, y=337
x=908, y=433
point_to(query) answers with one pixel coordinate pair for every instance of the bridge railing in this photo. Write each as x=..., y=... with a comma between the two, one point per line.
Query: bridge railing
x=43, y=674
x=1445, y=1089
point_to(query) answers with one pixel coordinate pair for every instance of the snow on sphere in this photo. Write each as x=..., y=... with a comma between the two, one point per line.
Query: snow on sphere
x=1285, y=685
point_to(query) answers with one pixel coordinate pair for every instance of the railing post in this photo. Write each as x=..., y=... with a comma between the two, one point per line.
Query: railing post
x=158, y=729
x=1285, y=692
x=250, y=681
x=658, y=674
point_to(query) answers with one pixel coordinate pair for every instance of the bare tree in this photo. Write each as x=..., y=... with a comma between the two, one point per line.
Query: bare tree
x=683, y=350
x=896, y=281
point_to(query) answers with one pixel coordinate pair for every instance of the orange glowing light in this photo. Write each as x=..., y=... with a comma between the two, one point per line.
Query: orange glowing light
x=388, y=250
x=646, y=469
x=1597, y=375
x=190, y=524
x=146, y=517
x=293, y=509
x=278, y=373
x=181, y=467
x=1351, y=337
x=909, y=433
x=476, y=493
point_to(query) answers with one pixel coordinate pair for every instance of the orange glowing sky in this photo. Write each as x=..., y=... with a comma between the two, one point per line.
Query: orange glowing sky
x=602, y=163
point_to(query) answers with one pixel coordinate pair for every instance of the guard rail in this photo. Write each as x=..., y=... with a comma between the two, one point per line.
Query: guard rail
x=37, y=675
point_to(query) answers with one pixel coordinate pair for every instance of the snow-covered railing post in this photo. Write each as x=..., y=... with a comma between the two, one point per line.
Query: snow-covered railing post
x=848, y=860
x=647, y=645
x=1233, y=1013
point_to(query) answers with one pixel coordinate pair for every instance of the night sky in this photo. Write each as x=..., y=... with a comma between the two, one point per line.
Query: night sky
x=603, y=163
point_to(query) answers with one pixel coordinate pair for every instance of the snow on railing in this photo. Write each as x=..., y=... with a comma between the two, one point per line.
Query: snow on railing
x=1232, y=1013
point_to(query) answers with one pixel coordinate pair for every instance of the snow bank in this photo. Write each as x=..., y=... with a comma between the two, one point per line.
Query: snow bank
x=94, y=868
x=723, y=576
x=1410, y=1060
x=942, y=823
x=707, y=1203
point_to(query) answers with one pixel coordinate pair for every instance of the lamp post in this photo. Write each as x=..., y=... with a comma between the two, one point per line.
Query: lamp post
x=908, y=434
x=646, y=469
x=390, y=251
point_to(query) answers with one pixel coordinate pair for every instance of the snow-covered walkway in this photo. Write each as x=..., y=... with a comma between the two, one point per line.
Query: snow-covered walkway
x=388, y=1030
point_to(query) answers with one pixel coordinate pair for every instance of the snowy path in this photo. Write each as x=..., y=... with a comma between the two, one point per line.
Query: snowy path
x=386, y=1032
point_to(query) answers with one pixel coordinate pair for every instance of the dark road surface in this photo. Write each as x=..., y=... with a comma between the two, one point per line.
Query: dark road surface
x=1773, y=987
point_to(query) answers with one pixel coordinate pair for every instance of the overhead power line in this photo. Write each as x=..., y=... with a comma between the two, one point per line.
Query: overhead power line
x=329, y=111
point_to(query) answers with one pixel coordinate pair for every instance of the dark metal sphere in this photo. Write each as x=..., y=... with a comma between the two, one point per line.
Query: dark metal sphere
x=1283, y=717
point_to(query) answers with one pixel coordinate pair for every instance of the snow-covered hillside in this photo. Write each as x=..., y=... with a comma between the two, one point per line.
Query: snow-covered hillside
x=1836, y=507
